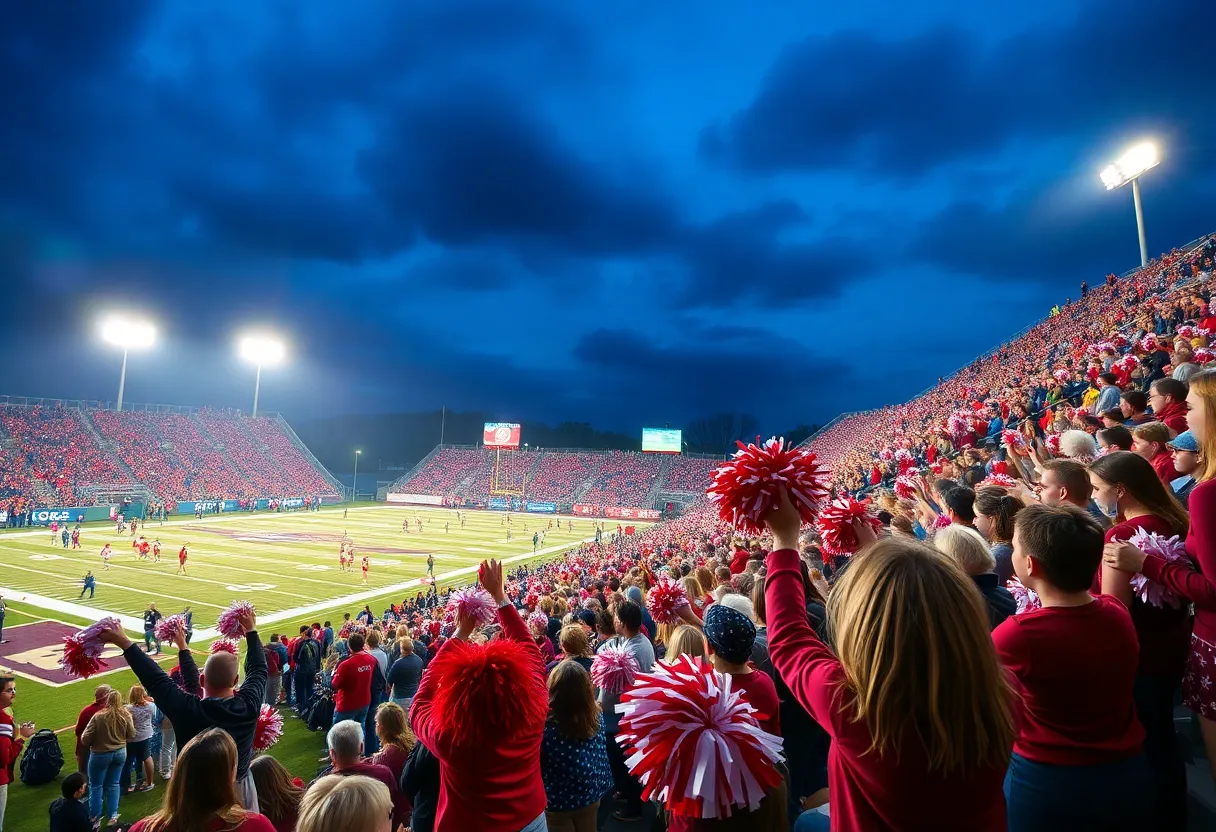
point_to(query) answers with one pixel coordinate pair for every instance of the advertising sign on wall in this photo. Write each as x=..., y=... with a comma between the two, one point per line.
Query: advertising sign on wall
x=415, y=499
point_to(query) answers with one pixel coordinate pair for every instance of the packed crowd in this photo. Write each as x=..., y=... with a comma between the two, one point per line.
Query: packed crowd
x=625, y=479
x=52, y=454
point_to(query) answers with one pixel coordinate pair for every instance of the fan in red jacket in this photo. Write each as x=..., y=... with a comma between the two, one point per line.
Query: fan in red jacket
x=12, y=739
x=352, y=682
x=481, y=711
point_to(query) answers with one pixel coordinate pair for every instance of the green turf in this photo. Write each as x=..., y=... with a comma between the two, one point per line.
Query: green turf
x=230, y=556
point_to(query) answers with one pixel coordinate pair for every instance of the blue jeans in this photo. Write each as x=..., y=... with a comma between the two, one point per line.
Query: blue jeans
x=371, y=743
x=358, y=716
x=105, y=769
x=812, y=821
x=149, y=637
x=1047, y=798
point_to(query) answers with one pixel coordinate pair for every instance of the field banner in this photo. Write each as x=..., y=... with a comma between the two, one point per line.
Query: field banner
x=616, y=512
x=541, y=508
x=415, y=499
x=504, y=504
x=501, y=435
x=46, y=516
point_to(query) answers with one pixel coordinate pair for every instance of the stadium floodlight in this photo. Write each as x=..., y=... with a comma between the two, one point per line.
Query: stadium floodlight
x=1135, y=162
x=130, y=334
x=354, y=483
x=259, y=350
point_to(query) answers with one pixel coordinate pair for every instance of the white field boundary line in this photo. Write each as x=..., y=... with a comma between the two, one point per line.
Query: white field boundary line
x=137, y=625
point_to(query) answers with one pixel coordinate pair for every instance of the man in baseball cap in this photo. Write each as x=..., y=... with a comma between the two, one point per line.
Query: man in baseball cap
x=1185, y=451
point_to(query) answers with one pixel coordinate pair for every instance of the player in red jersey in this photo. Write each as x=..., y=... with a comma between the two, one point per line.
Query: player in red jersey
x=144, y=548
x=156, y=550
x=182, y=554
x=366, y=563
x=76, y=538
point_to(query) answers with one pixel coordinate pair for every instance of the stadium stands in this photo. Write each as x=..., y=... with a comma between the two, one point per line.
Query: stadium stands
x=560, y=475
x=688, y=475
x=442, y=472
x=56, y=453
x=625, y=480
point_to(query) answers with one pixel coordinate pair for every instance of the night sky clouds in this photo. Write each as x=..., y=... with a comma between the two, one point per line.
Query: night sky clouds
x=555, y=211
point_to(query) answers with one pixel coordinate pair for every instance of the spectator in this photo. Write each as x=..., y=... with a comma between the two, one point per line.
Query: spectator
x=1116, y=438
x=1079, y=738
x=687, y=640
x=345, y=741
x=1134, y=406
x=352, y=683
x=1187, y=464
x=279, y=795
x=1108, y=393
x=100, y=694
x=420, y=786
x=1168, y=398
x=405, y=674
x=357, y=804
x=68, y=813
x=1066, y=482
x=396, y=739
x=378, y=691
x=274, y=671
x=933, y=690
x=628, y=621
x=730, y=636
x=202, y=794
x=994, y=512
x=139, y=758
x=575, y=647
x=1151, y=441
x=573, y=757
x=221, y=705
x=490, y=764
x=12, y=739
x=970, y=551
x=306, y=659
x=960, y=505
x=106, y=738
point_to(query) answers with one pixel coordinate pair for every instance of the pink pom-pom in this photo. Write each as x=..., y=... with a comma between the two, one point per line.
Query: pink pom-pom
x=905, y=486
x=1027, y=599
x=531, y=600
x=614, y=667
x=1053, y=443
x=268, y=729
x=693, y=741
x=229, y=623
x=168, y=628
x=665, y=601
x=82, y=650
x=225, y=645
x=835, y=524
x=1013, y=438
x=538, y=620
x=1172, y=550
x=942, y=522
x=745, y=488
x=1203, y=356
x=474, y=603
x=1001, y=480
x=1062, y=375
x=1148, y=344
x=1187, y=332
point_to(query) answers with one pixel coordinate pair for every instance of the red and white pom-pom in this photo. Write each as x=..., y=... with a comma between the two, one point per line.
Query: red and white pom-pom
x=1002, y=480
x=1053, y=443
x=531, y=600
x=665, y=601
x=942, y=521
x=1062, y=375
x=937, y=466
x=693, y=741
x=1148, y=344
x=82, y=650
x=835, y=524
x=268, y=729
x=1092, y=351
x=347, y=629
x=229, y=623
x=1187, y=332
x=1013, y=438
x=1170, y=549
x=225, y=645
x=539, y=620
x=745, y=489
x=1118, y=341
x=167, y=628
x=1027, y=599
x=886, y=455
x=1203, y=356
x=905, y=486
x=958, y=426
x=1105, y=346
x=614, y=667
x=474, y=603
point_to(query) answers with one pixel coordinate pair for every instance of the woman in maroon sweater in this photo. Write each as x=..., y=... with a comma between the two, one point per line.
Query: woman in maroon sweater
x=481, y=709
x=1079, y=741
x=922, y=718
x=1197, y=584
x=1126, y=486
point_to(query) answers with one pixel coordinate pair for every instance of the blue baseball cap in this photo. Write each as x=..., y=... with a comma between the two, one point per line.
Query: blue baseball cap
x=1184, y=441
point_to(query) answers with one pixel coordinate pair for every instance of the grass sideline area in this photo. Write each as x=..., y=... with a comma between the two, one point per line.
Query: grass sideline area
x=285, y=563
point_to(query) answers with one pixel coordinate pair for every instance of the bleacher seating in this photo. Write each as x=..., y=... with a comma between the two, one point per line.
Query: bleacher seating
x=299, y=468
x=138, y=443
x=686, y=474
x=56, y=453
x=443, y=472
x=625, y=480
x=559, y=475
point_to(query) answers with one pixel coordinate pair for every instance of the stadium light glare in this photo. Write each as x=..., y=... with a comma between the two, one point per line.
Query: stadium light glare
x=130, y=334
x=1134, y=163
x=259, y=350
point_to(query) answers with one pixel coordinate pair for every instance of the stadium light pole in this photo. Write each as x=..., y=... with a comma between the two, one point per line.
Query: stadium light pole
x=129, y=334
x=354, y=485
x=259, y=350
x=1134, y=163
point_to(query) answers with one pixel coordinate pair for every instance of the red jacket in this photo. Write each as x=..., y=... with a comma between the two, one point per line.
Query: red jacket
x=1174, y=416
x=86, y=713
x=11, y=744
x=739, y=562
x=497, y=787
x=352, y=682
x=1197, y=584
x=868, y=791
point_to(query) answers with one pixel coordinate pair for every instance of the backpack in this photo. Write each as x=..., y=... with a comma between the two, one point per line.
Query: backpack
x=321, y=713
x=42, y=759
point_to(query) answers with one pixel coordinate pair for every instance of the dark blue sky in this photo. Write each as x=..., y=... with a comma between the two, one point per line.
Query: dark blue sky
x=623, y=213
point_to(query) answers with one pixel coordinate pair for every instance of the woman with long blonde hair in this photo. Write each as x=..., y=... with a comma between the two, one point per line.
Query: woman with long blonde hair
x=1198, y=583
x=350, y=804
x=202, y=792
x=921, y=714
x=139, y=758
x=106, y=738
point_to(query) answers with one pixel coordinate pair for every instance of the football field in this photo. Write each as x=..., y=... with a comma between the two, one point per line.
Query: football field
x=286, y=564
